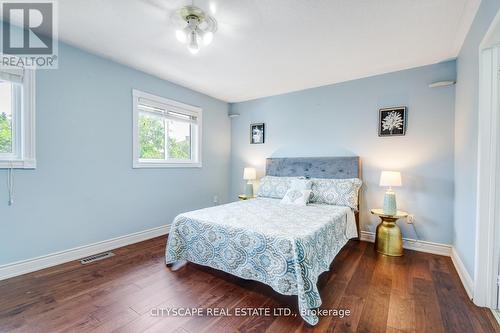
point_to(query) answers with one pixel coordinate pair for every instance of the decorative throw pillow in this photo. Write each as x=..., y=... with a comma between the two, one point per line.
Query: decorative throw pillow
x=341, y=192
x=274, y=187
x=296, y=197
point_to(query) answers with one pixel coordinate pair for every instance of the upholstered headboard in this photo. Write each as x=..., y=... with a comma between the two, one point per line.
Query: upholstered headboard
x=316, y=167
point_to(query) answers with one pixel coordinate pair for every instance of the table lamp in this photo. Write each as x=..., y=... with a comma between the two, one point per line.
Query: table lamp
x=249, y=174
x=390, y=179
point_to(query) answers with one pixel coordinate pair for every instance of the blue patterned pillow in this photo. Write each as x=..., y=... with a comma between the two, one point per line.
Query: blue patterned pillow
x=340, y=192
x=274, y=187
x=301, y=184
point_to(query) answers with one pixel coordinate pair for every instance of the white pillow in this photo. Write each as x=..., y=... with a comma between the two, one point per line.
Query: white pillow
x=341, y=192
x=296, y=197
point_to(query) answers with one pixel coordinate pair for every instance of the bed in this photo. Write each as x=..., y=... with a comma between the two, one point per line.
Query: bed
x=286, y=247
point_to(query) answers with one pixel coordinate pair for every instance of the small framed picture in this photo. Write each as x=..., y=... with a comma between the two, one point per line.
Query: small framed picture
x=392, y=121
x=257, y=133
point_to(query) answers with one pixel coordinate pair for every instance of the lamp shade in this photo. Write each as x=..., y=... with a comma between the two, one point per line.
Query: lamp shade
x=390, y=178
x=249, y=174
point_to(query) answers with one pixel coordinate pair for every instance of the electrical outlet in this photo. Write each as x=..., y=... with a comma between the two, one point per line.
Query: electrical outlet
x=216, y=199
x=410, y=219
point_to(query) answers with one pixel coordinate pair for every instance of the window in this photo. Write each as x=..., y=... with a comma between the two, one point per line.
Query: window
x=166, y=133
x=17, y=116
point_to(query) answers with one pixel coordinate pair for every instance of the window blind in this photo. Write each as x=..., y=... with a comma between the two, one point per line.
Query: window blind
x=167, y=111
x=11, y=74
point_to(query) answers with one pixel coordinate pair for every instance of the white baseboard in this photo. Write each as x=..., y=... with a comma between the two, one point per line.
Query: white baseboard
x=49, y=260
x=414, y=244
x=462, y=273
x=496, y=314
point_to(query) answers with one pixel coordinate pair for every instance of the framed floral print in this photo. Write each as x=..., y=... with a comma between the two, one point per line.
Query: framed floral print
x=257, y=133
x=392, y=121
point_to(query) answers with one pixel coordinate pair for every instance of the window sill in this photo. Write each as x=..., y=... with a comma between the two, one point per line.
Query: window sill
x=18, y=164
x=149, y=165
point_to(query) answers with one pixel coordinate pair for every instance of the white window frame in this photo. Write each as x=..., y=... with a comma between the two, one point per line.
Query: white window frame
x=196, y=136
x=23, y=129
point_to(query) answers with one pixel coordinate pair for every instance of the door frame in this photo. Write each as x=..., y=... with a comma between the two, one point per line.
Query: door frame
x=486, y=265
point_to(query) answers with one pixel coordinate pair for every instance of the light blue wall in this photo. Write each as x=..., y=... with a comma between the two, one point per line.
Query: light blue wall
x=84, y=189
x=342, y=119
x=466, y=134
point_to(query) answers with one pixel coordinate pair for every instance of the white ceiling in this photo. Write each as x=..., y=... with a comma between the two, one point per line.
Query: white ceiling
x=267, y=47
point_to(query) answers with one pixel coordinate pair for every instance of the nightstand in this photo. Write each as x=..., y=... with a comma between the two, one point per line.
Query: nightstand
x=245, y=197
x=388, y=239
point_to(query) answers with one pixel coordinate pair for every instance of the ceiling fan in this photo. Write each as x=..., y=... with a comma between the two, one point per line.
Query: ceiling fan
x=193, y=26
x=196, y=27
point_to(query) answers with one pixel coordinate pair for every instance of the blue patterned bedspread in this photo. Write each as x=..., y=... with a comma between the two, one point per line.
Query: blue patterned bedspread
x=284, y=246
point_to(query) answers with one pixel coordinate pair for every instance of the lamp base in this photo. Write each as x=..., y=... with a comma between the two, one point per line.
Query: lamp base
x=390, y=203
x=249, y=190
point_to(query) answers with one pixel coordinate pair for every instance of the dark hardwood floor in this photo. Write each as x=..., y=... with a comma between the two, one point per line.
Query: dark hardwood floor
x=415, y=293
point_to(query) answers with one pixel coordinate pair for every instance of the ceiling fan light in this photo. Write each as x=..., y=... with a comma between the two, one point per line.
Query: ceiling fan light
x=181, y=35
x=213, y=8
x=208, y=36
x=193, y=45
x=193, y=49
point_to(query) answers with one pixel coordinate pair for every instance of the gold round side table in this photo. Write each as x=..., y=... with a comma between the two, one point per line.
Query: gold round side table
x=388, y=239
